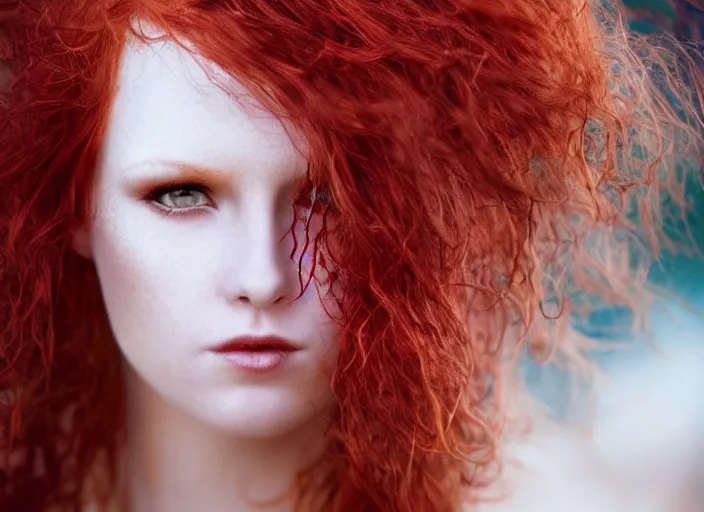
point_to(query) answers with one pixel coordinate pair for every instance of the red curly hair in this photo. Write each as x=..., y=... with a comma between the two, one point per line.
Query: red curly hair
x=495, y=169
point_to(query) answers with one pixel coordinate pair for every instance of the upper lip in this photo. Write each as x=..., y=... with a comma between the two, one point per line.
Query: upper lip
x=251, y=343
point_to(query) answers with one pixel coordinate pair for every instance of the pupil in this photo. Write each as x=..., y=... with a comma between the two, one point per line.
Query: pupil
x=183, y=197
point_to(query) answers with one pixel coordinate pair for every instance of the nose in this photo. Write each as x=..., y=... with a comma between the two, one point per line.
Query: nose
x=261, y=276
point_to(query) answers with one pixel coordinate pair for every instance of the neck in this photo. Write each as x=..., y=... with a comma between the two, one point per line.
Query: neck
x=178, y=463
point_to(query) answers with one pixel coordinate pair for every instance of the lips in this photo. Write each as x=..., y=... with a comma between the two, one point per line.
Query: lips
x=256, y=355
x=256, y=344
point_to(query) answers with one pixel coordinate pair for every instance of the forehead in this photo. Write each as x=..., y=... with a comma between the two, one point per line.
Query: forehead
x=167, y=106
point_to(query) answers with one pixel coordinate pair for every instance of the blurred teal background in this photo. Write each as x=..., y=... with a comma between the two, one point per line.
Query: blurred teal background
x=683, y=274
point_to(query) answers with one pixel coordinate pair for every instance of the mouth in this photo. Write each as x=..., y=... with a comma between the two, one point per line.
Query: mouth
x=256, y=344
x=256, y=354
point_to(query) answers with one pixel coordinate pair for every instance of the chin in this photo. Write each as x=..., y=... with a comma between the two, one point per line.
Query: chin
x=265, y=415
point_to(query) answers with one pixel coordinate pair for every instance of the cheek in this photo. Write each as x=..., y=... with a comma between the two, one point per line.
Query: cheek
x=328, y=329
x=309, y=253
x=144, y=285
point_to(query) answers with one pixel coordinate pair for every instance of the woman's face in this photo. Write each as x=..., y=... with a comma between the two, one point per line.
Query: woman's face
x=190, y=240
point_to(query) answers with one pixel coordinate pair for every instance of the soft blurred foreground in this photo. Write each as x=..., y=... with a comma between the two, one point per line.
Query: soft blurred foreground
x=645, y=449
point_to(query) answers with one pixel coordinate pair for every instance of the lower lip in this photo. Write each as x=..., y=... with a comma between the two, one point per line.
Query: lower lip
x=256, y=361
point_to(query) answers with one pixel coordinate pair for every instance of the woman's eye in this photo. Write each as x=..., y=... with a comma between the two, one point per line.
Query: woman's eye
x=320, y=197
x=182, y=198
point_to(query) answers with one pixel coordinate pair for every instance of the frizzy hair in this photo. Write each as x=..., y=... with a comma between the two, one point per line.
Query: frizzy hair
x=486, y=161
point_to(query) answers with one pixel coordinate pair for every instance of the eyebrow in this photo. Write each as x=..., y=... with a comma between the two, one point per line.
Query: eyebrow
x=145, y=175
x=146, y=172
